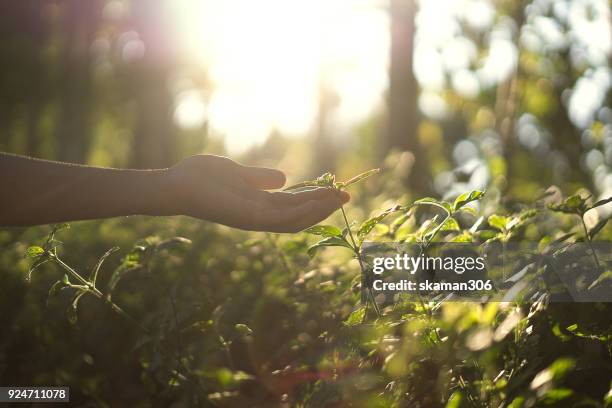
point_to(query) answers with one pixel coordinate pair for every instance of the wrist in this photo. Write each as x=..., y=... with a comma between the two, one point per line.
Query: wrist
x=153, y=193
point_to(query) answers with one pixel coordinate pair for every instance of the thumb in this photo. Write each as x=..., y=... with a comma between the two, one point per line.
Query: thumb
x=262, y=177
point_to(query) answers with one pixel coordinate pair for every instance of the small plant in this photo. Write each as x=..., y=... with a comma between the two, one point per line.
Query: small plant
x=334, y=236
x=578, y=206
x=88, y=285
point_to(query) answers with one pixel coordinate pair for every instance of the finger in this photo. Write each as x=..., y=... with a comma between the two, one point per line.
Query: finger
x=294, y=219
x=262, y=177
x=285, y=199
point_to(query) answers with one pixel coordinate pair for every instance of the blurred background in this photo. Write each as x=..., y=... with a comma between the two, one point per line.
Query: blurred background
x=446, y=96
x=510, y=95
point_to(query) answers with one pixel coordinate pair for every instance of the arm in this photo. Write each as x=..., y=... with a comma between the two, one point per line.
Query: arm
x=207, y=187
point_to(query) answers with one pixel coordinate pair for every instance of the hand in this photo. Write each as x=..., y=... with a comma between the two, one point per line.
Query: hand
x=218, y=189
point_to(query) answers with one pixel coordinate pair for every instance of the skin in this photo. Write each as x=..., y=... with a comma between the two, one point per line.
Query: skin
x=211, y=188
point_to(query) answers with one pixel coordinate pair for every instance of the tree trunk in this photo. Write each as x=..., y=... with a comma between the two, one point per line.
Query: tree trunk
x=403, y=93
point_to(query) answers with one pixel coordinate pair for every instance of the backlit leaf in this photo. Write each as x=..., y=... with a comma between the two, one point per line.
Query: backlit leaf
x=324, y=231
x=367, y=225
x=327, y=242
x=34, y=252
x=466, y=198
x=356, y=317
x=498, y=221
x=358, y=178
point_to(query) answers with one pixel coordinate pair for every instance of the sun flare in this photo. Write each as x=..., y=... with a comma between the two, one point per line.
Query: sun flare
x=268, y=62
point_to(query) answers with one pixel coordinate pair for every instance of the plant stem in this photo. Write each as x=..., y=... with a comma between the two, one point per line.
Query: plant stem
x=117, y=309
x=361, y=266
x=281, y=254
x=588, y=238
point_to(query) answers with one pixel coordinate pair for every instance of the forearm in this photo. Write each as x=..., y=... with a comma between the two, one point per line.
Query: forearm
x=42, y=192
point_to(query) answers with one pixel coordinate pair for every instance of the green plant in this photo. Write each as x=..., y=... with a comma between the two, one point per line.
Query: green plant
x=260, y=320
x=88, y=285
x=334, y=236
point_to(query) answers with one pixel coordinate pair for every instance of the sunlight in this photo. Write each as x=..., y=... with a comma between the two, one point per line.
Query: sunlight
x=269, y=60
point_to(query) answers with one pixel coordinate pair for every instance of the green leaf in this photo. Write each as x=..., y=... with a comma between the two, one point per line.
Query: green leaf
x=605, y=276
x=55, y=289
x=325, y=180
x=243, y=329
x=72, y=310
x=172, y=242
x=94, y=272
x=557, y=394
x=357, y=178
x=34, y=252
x=133, y=261
x=598, y=227
x=398, y=222
x=450, y=225
x=572, y=205
x=324, y=231
x=498, y=222
x=59, y=227
x=455, y=401
x=467, y=197
x=301, y=185
x=367, y=225
x=432, y=201
x=356, y=317
x=329, y=241
x=463, y=237
x=601, y=202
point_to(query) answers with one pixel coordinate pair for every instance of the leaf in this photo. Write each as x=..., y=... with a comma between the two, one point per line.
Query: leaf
x=476, y=225
x=94, y=272
x=367, y=225
x=303, y=184
x=432, y=201
x=450, y=225
x=356, y=317
x=329, y=241
x=171, y=242
x=498, y=222
x=55, y=289
x=467, y=197
x=324, y=231
x=59, y=227
x=601, y=202
x=357, y=178
x=598, y=227
x=72, y=310
x=606, y=276
x=466, y=236
x=243, y=329
x=399, y=221
x=572, y=205
x=34, y=252
x=555, y=395
x=35, y=266
x=131, y=262
x=325, y=180
x=455, y=400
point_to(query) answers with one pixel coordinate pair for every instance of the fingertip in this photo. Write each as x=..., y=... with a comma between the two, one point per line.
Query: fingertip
x=282, y=178
x=344, y=197
x=264, y=178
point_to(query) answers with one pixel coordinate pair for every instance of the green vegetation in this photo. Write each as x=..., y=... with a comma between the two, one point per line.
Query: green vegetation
x=232, y=319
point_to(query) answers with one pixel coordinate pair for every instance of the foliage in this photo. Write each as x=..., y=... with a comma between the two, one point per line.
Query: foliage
x=269, y=320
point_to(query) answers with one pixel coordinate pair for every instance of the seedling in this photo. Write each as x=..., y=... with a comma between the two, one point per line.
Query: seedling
x=334, y=236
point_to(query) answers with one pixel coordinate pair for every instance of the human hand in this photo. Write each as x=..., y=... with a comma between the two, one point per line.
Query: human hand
x=218, y=189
